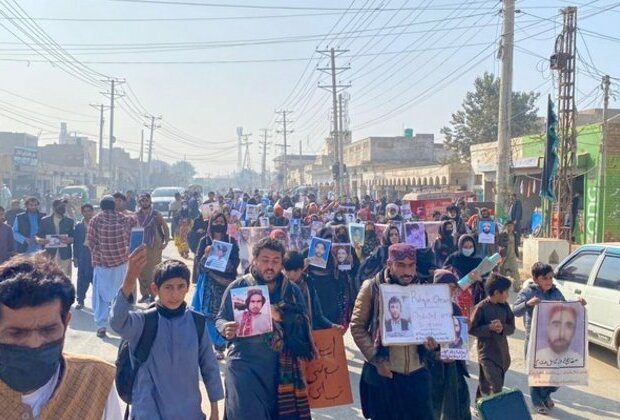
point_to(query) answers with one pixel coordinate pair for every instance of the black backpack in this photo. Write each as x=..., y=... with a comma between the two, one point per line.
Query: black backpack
x=125, y=371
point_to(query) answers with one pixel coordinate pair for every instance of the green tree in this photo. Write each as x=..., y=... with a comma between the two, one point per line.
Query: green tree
x=183, y=170
x=476, y=122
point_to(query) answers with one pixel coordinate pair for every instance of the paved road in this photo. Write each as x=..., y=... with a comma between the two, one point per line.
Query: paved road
x=599, y=400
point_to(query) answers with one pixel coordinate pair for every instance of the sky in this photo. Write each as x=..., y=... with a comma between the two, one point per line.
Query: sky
x=209, y=66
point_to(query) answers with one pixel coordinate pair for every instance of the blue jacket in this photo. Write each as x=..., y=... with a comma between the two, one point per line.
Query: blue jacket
x=520, y=308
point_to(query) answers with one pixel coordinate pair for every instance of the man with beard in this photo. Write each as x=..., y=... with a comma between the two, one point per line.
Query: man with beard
x=82, y=258
x=58, y=224
x=38, y=380
x=156, y=235
x=396, y=325
x=26, y=227
x=12, y=213
x=395, y=384
x=254, y=320
x=560, y=333
x=263, y=377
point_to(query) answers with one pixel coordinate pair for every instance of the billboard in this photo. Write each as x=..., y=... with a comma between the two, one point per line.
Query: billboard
x=25, y=157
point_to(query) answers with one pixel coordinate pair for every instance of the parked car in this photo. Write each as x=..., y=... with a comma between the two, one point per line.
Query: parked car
x=593, y=272
x=162, y=197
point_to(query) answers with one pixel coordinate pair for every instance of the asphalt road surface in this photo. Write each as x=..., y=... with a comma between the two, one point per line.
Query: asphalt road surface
x=599, y=400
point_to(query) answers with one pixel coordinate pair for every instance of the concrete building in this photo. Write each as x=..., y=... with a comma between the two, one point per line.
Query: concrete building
x=19, y=162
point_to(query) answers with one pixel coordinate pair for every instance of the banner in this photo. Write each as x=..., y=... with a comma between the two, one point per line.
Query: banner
x=550, y=166
x=557, y=352
x=327, y=376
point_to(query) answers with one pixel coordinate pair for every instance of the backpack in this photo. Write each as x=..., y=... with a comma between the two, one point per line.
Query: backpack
x=126, y=371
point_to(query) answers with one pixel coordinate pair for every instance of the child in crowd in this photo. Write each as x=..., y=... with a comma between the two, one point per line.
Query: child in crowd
x=166, y=384
x=542, y=288
x=294, y=265
x=491, y=322
x=180, y=239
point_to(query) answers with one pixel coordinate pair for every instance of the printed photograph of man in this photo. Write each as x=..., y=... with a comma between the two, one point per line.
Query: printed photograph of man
x=319, y=252
x=218, y=259
x=395, y=324
x=357, y=231
x=559, y=341
x=415, y=235
x=252, y=310
x=487, y=233
x=460, y=333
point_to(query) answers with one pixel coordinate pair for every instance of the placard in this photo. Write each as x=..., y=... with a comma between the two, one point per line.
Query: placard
x=251, y=212
x=327, y=376
x=459, y=348
x=357, y=234
x=252, y=310
x=56, y=241
x=343, y=255
x=218, y=258
x=318, y=253
x=557, y=352
x=486, y=232
x=411, y=314
x=415, y=235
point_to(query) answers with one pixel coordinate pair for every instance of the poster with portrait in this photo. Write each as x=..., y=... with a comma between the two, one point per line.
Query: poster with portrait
x=432, y=231
x=343, y=254
x=415, y=234
x=294, y=227
x=56, y=241
x=347, y=209
x=380, y=230
x=218, y=258
x=327, y=376
x=251, y=212
x=252, y=310
x=357, y=233
x=401, y=228
x=405, y=212
x=209, y=209
x=411, y=314
x=459, y=348
x=557, y=352
x=318, y=253
x=245, y=247
x=486, y=232
x=233, y=231
x=264, y=221
x=315, y=227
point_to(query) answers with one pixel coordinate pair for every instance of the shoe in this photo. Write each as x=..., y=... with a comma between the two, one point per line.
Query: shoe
x=79, y=306
x=101, y=333
x=549, y=403
x=542, y=410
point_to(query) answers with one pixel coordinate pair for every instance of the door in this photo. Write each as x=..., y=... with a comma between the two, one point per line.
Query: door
x=603, y=298
x=573, y=275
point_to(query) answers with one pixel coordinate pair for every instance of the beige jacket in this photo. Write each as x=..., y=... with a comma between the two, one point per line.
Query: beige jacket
x=402, y=359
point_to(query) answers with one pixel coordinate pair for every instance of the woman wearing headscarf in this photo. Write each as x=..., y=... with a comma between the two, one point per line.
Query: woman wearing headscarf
x=461, y=263
x=371, y=240
x=377, y=260
x=333, y=286
x=212, y=284
x=445, y=245
x=341, y=235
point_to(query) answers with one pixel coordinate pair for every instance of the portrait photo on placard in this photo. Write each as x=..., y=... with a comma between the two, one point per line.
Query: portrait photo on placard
x=252, y=310
x=486, y=232
x=380, y=230
x=397, y=315
x=319, y=252
x=357, y=233
x=218, y=258
x=560, y=335
x=342, y=254
x=415, y=235
x=459, y=348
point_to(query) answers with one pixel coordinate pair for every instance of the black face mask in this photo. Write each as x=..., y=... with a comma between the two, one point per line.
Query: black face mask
x=61, y=210
x=218, y=228
x=26, y=369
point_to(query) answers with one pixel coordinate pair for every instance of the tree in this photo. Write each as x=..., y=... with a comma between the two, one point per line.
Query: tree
x=183, y=171
x=476, y=122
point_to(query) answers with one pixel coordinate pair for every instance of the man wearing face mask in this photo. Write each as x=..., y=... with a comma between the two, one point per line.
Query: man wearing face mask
x=58, y=224
x=38, y=380
x=394, y=378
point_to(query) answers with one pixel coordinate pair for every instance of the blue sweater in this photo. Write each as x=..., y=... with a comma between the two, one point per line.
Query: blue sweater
x=166, y=386
x=520, y=308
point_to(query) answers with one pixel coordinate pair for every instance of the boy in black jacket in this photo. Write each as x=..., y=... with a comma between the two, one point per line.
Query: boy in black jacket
x=492, y=321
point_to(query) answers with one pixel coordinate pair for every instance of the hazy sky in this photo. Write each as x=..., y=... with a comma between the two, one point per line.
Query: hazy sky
x=208, y=69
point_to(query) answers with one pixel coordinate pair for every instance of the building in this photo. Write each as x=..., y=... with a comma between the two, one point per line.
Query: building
x=19, y=162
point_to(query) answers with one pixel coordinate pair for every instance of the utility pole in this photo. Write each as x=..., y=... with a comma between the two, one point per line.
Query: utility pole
x=565, y=54
x=263, y=174
x=284, y=132
x=141, y=159
x=101, y=108
x=504, y=155
x=345, y=179
x=247, y=165
x=335, y=87
x=112, y=139
x=239, y=146
x=152, y=127
x=602, y=164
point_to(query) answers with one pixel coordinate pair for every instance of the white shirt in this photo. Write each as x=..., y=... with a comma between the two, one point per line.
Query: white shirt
x=38, y=398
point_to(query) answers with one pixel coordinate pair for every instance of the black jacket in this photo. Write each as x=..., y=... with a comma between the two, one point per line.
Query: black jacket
x=66, y=227
x=24, y=229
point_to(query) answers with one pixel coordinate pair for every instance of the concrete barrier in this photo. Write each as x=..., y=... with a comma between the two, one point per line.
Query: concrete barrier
x=550, y=251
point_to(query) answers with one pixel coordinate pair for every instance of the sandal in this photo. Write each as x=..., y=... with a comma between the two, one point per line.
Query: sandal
x=542, y=410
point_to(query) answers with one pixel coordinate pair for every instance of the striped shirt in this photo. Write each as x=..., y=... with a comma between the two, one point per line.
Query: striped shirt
x=108, y=238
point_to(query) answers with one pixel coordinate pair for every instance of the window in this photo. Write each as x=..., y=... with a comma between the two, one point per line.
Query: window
x=578, y=269
x=478, y=180
x=607, y=275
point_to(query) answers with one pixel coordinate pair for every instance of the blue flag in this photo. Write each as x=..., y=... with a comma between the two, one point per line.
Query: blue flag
x=550, y=167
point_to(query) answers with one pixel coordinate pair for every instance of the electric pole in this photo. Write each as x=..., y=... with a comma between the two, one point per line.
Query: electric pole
x=344, y=189
x=152, y=127
x=602, y=164
x=112, y=139
x=247, y=165
x=263, y=174
x=335, y=87
x=101, y=108
x=141, y=159
x=504, y=155
x=284, y=132
x=239, y=146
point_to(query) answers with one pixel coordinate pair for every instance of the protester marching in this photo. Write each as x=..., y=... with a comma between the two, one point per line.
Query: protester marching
x=268, y=285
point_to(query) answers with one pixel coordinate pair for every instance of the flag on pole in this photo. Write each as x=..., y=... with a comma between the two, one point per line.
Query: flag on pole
x=550, y=167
